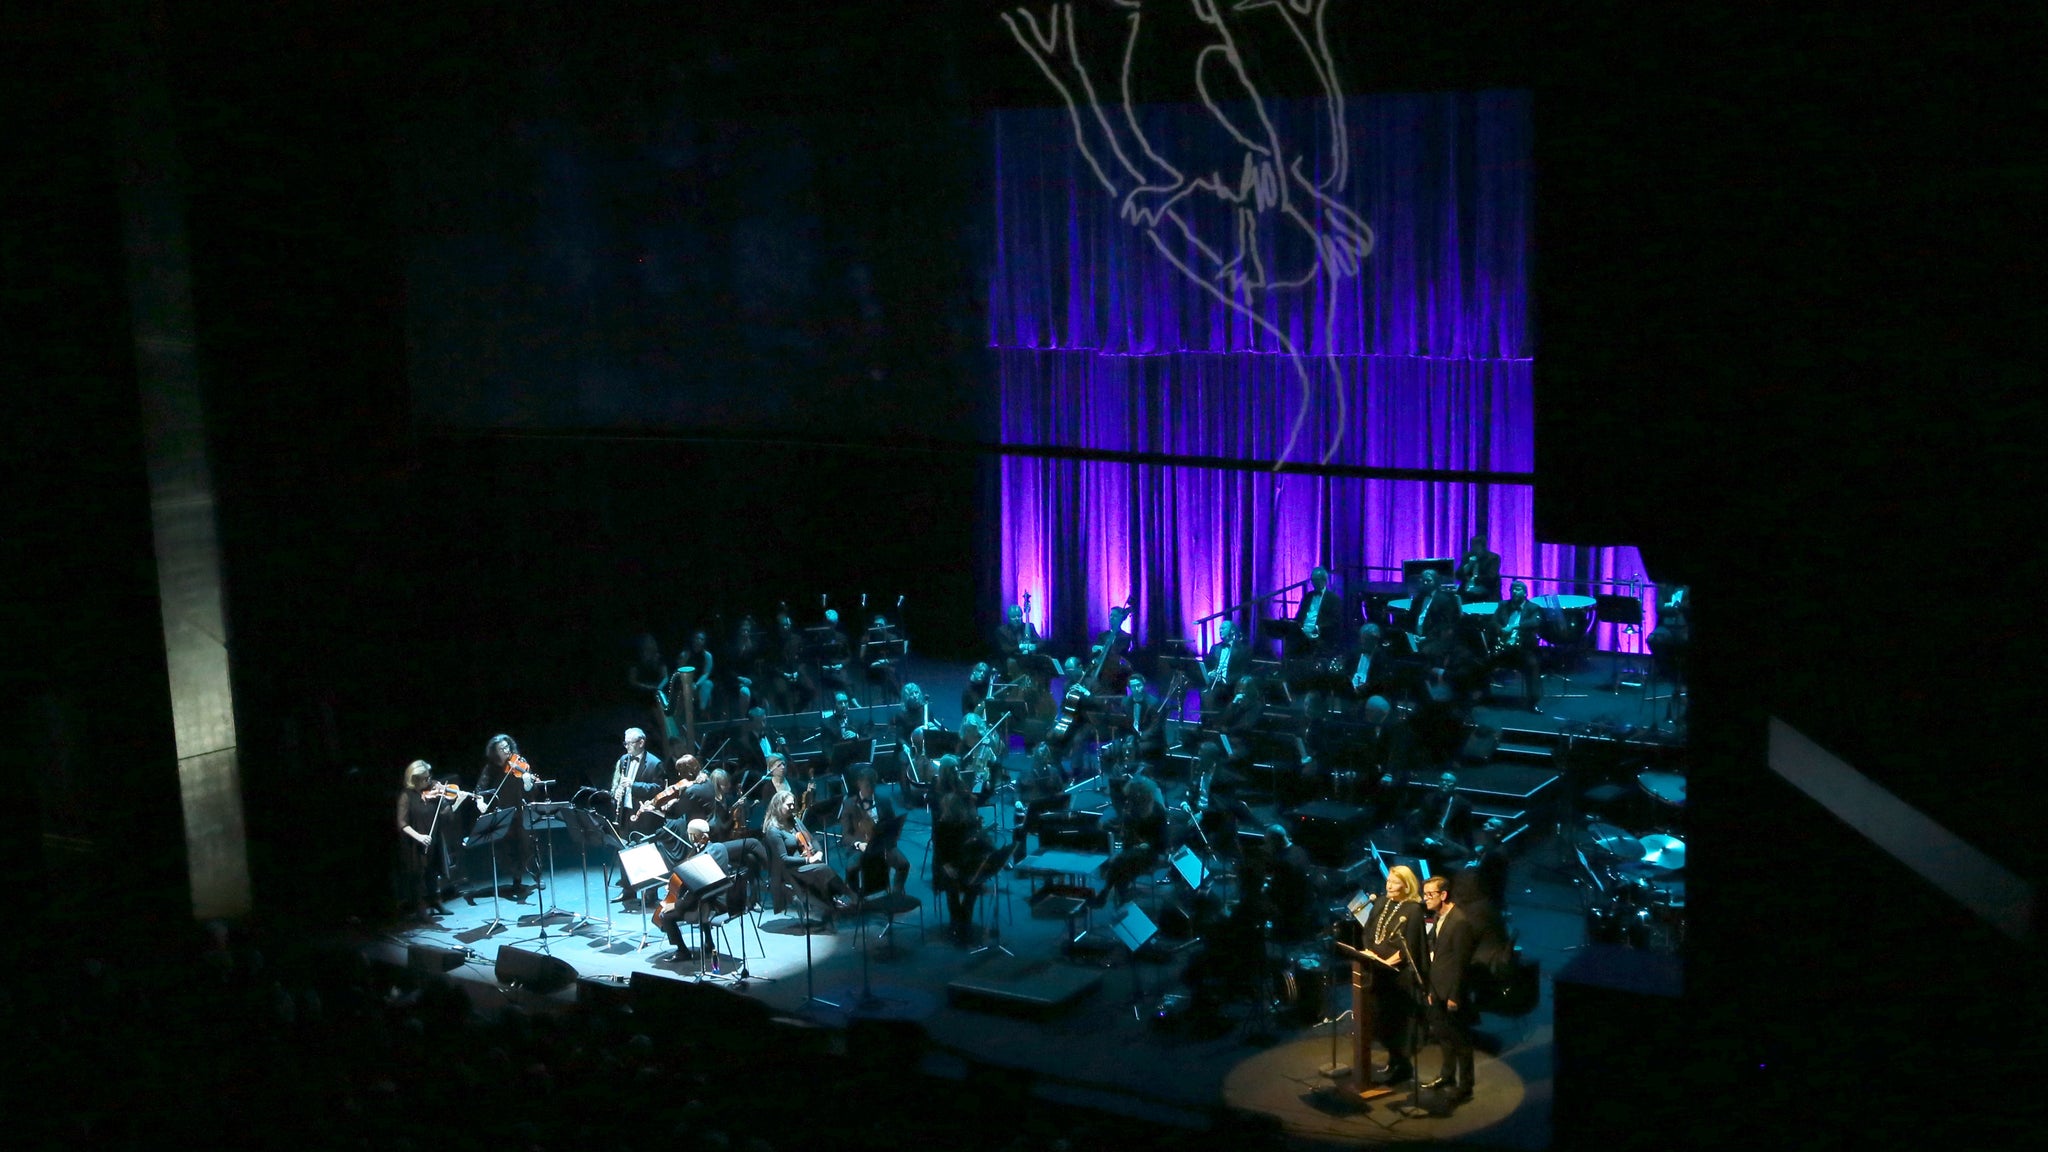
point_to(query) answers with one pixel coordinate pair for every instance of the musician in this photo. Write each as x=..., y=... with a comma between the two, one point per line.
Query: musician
x=1670, y=642
x=833, y=652
x=745, y=663
x=1481, y=886
x=882, y=651
x=728, y=822
x=1395, y=934
x=1240, y=722
x=914, y=714
x=1440, y=827
x=1433, y=617
x=645, y=678
x=777, y=771
x=699, y=656
x=1370, y=672
x=1319, y=617
x=1022, y=649
x=742, y=856
x=980, y=758
x=1452, y=939
x=789, y=687
x=1290, y=884
x=835, y=724
x=1228, y=662
x=426, y=825
x=505, y=782
x=1148, y=727
x=1142, y=826
x=1042, y=787
x=1512, y=632
x=979, y=683
x=801, y=858
x=741, y=859
x=1478, y=573
x=636, y=776
x=646, y=674
x=700, y=797
x=756, y=742
x=960, y=848
x=869, y=823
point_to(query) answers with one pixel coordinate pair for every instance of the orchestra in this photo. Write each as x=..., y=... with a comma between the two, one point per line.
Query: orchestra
x=1374, y=721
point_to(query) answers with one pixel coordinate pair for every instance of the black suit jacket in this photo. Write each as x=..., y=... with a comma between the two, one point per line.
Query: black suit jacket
x=1010, y=638
x=1240, y=663
x=1441, y=625
x=1450, y=956
x=1532, y=623
x=1329, y=616
x=1478, y=576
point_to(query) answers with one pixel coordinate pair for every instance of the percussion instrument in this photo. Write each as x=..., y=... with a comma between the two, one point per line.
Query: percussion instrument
x=1476, y=608
x=1616, y=843
x=1663, y=852
x=1666, y=788
x=1305, y=987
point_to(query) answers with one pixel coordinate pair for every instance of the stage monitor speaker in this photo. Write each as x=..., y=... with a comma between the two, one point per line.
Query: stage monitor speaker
x=533, y=970
x=427, y=958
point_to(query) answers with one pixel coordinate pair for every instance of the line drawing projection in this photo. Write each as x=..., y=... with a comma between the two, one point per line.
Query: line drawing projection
x=1236, y=210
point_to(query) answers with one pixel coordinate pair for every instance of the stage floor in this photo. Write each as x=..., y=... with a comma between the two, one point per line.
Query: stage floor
x=1094, y=1049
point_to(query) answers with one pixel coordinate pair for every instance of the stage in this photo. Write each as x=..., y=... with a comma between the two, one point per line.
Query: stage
x=1083, y=1023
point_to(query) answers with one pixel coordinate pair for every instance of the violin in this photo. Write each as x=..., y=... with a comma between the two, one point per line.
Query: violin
x=517, y=766
x=444, y=792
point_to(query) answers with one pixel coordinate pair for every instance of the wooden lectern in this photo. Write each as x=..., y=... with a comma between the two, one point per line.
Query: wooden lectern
x=1363, y=1025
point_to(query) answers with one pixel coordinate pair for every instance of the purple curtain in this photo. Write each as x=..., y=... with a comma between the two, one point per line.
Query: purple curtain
x=1419, y=357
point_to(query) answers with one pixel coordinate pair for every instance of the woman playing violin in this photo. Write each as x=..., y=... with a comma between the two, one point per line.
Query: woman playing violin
x=506, y=781
x=426, y=820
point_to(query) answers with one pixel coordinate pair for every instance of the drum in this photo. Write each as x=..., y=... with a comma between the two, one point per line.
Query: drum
x=1666, y=788
x=1305, y=988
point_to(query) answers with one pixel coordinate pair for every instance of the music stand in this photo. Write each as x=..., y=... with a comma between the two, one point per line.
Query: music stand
x=1133, y=929
x=588, y=830
x=546, y=816
x=984, y=874
x=490, y=828
x=703, y=877
x=1190, y=868
x=641, y=864
x=1627, y=612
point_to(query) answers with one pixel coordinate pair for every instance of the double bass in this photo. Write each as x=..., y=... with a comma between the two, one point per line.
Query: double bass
x=1081, y=690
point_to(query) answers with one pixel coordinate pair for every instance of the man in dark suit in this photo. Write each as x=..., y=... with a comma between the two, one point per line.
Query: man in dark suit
x=1223, y=666
x=1022, y=649
x=1148, y=726
x=637, y=775
x=1431, y=621
x=1452, y=939
x=1511, y=639
x=1478, y=573
x=1320, y=618
x=869, y=825
x=1440, y=827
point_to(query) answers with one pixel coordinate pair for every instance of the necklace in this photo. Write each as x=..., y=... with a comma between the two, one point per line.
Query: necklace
x=1380, y=935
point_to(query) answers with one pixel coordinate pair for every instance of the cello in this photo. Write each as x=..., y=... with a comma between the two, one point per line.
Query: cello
x=1077, y=693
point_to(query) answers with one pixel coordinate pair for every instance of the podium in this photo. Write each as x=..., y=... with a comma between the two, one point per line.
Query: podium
x=1363, y=1024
